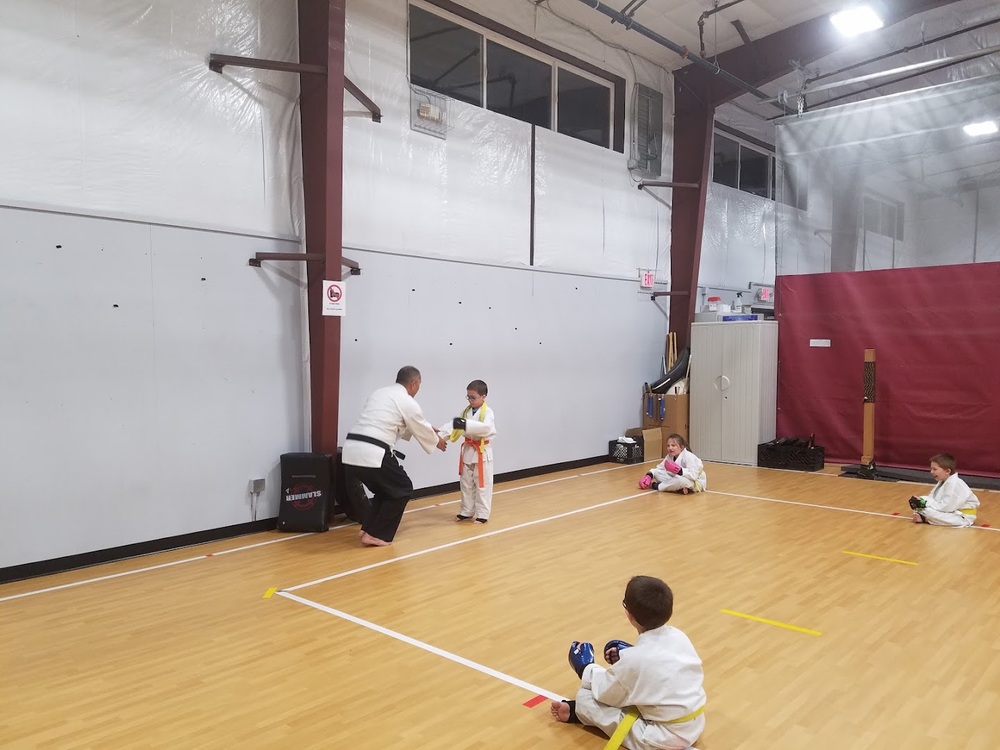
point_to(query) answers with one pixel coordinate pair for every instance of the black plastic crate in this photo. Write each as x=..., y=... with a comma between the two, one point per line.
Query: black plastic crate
x=798, y=457
x=625, y=453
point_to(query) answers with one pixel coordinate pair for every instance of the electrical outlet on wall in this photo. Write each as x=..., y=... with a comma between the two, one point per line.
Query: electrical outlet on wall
x=256, y=486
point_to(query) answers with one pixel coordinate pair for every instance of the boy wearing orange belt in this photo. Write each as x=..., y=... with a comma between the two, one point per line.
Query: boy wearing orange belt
x=475, y=464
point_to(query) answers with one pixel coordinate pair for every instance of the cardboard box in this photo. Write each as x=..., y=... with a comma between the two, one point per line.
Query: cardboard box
x=652, y=444
x=652, y=441
x=675, y=417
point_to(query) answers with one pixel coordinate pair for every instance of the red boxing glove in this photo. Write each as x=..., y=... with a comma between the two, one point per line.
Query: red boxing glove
x=672, y=466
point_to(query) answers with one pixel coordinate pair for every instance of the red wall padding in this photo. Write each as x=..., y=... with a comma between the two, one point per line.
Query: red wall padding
x=936, y=335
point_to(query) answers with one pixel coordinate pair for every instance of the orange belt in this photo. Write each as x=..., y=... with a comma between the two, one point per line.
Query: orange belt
x=479, y=445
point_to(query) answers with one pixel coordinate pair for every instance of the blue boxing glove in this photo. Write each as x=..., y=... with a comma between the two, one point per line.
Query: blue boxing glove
x=580, y=655
x=612, y=650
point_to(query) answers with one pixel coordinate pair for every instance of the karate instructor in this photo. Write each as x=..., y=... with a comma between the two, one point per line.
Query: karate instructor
x=389, y=414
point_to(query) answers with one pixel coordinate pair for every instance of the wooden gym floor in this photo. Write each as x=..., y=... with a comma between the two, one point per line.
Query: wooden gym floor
x=825, y=619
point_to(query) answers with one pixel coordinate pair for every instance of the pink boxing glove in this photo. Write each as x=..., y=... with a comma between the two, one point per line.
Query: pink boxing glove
x=672, y=466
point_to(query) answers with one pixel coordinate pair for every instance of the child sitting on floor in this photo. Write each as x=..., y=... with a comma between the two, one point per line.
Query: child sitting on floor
x=652, y=696
x=681, y=471
x=951, y=502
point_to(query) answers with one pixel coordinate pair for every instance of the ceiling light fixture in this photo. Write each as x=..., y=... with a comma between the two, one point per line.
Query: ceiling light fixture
x=857, y=20
x=986, y=127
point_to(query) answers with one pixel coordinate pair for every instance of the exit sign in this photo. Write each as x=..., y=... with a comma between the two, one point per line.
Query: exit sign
x=647, y=279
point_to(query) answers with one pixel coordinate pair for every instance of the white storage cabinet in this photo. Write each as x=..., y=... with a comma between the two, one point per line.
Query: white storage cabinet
x=733, y=389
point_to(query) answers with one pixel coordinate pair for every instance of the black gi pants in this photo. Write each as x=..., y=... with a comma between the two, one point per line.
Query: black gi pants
x=392, y=490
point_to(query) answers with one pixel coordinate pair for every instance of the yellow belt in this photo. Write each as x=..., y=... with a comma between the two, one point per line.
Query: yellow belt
x=623, y=729
x=968, y=511
x=625, y=726
x=692, y=715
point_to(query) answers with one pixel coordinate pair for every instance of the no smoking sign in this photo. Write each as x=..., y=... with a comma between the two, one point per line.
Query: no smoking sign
x=333, y=298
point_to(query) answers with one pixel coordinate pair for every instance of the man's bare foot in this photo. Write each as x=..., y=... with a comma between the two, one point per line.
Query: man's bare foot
x=371, y=541
x=560, y=710
x=685, y=491
x=917, y=518
x=361, y=532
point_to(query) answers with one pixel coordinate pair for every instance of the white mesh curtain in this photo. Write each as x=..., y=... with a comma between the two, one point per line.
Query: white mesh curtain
x=906, y=180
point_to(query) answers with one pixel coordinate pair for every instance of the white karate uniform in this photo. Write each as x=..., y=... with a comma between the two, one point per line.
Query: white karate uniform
x=951, y=503
x=661, y=676
x=477, y=502
x=692, y=477
x=389, y=414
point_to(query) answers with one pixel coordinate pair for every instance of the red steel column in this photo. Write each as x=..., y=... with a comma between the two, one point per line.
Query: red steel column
x=693, y=127
x=321, y=42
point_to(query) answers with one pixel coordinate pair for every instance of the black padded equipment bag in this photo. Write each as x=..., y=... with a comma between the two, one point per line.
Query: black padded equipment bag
x=305, y=492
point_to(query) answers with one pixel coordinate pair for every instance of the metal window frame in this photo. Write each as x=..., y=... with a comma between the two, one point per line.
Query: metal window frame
x=490, y=30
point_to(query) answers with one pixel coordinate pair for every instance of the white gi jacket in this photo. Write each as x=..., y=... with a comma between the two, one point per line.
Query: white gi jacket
x=951, y=503
x=662, y=676
x=477, y=425
x=692, y=474
x=388, y=415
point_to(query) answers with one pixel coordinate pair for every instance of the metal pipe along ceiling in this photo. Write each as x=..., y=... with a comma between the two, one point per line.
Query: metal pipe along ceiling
x=628, y=23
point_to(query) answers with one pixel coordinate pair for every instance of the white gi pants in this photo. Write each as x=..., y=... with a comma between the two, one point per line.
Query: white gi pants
x=607, y=719
x=955, y=519
x=476, y=501
x=670, y=482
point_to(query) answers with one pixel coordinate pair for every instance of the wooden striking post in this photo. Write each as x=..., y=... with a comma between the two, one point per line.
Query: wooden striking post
x=868, y=434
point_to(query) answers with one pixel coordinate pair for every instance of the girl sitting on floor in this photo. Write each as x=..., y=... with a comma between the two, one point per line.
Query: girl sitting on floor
x=681, y=471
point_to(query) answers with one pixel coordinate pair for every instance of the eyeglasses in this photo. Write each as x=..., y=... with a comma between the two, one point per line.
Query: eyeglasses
x=473, y=398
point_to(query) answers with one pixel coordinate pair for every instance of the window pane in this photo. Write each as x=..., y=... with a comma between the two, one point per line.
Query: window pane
x=753, y=171
x=801, y=173
x=888, y=225
x=871, y=220
x=584, y=109
x=727, y=162
x=445, y=57
x=518, y=86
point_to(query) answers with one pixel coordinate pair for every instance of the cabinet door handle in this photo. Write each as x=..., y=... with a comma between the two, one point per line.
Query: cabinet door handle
x=722, y=383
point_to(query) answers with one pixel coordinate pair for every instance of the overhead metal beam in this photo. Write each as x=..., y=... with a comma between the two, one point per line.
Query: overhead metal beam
x=698, y=91
x=903, y=50
x=771, y=57
x=907, y=71
x=684, y=52
x=658, y=183
x=741, y=30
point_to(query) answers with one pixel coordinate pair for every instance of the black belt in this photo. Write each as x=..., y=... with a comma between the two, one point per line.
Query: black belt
x=375, y=441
